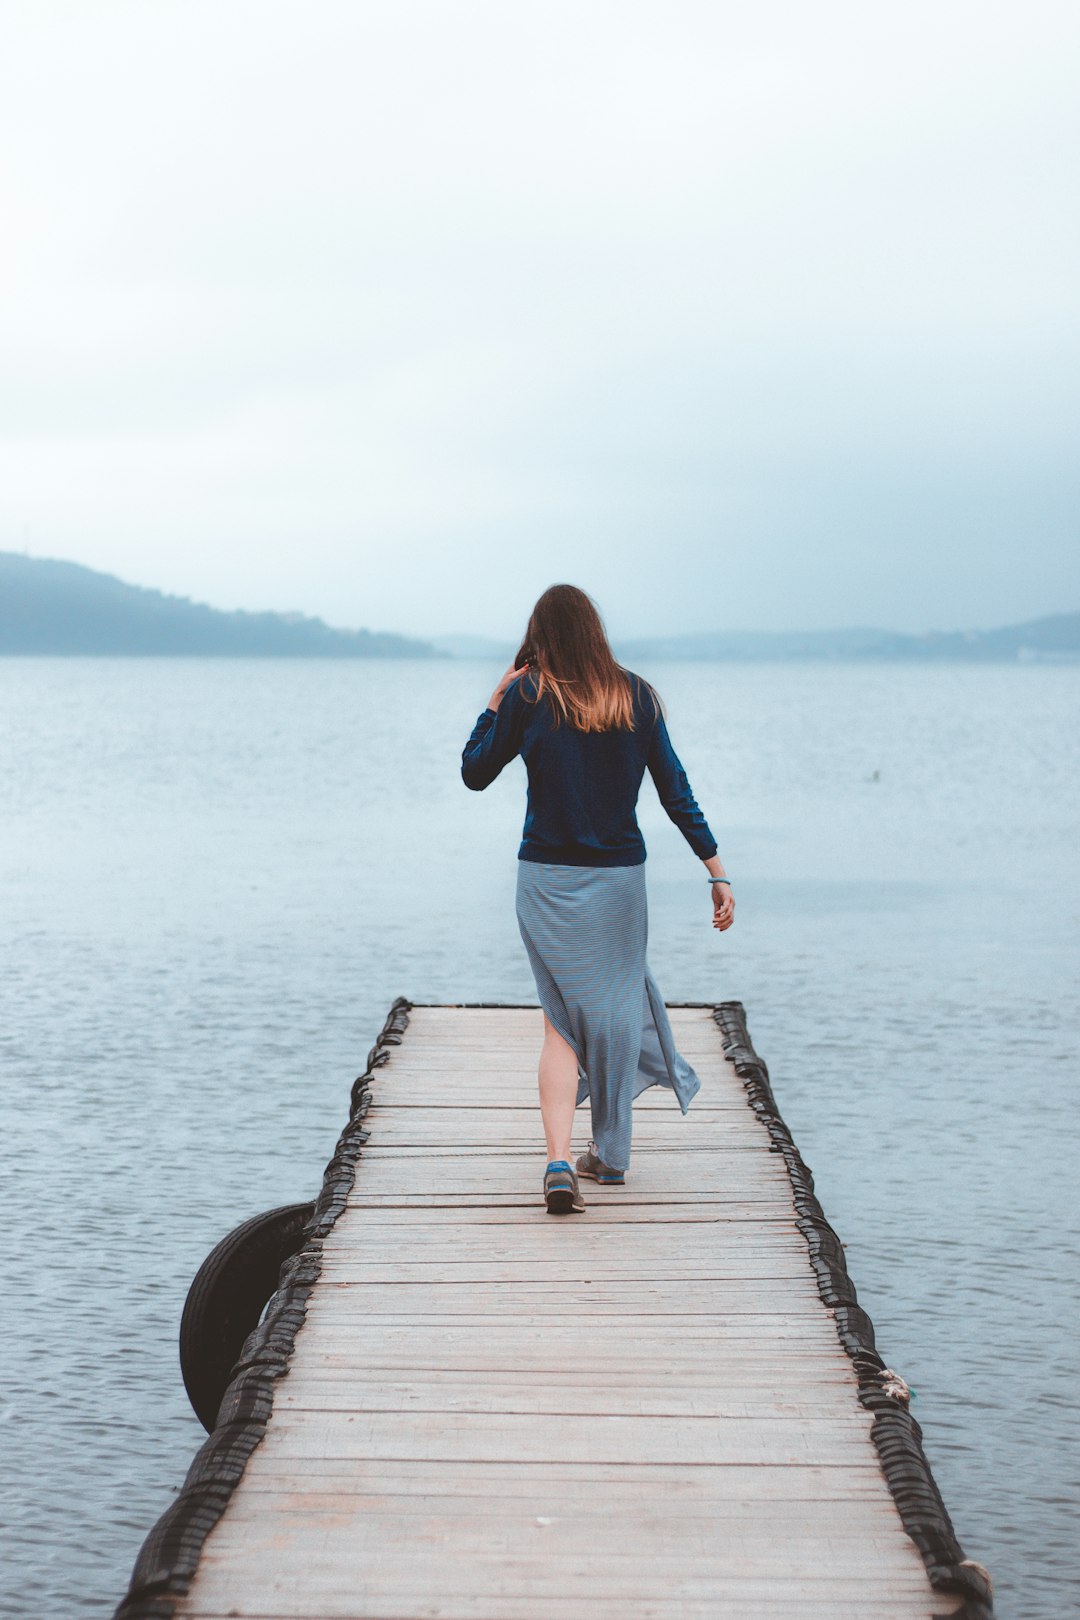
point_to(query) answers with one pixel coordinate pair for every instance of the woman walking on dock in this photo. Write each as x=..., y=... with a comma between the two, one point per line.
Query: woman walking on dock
x=588, y=729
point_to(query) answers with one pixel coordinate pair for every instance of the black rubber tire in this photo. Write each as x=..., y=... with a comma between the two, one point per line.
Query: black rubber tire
x=227, y=1298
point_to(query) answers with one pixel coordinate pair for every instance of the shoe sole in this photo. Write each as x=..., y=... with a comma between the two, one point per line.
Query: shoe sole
x=605, y=1181
x=560, y=1201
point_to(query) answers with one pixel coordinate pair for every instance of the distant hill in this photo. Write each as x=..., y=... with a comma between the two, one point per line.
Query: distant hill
x=48, y=606
x=1053, y=639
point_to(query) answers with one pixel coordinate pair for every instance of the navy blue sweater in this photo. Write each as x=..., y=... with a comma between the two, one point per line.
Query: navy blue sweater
x=583, y=785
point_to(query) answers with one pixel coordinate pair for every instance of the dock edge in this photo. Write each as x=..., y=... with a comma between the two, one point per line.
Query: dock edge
x=169, y=1557
x=895, y=1433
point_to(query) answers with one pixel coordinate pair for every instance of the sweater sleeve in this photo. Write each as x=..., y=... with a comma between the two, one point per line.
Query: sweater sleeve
x=496, y=738
x=675, y=792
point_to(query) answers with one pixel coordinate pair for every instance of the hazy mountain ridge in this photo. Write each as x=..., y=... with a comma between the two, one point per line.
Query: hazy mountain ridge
x=50, y=606
x=1054, y=637
x=1051, y=639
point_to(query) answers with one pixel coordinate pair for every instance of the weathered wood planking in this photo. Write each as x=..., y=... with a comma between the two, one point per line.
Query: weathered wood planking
x=493, y=1414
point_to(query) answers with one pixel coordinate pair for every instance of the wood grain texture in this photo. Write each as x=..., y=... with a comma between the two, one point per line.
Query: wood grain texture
x=491, y=1414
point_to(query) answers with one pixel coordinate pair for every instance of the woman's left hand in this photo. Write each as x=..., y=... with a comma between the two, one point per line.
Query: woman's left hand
x=723, y=906
x=511, y=675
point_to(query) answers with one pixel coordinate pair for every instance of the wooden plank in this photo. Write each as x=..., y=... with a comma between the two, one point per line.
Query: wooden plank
x=659, y=1170
x=485, y=1183
x=561, y=1607
x=732, y=1155
x=441, y=1493
x=445, y=1101
x=578, y=1334
x=733, y=1487
x=575, y=1256
x=540, y=1301
x=483, y=1436
x=481, y=1129
x=519, y=1108
x=360, y=1346
x=420, y=1233
x=613, y=1399
x=385, y=1213
x=462, y=1271
x=602, y=1206
x=504, y=1587
x=667, y=1547
x=640, y=1413
x=587, y=1248
x=479, y=1606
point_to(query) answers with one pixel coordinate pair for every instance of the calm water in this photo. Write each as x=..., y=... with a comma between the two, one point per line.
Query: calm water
x=215, y=877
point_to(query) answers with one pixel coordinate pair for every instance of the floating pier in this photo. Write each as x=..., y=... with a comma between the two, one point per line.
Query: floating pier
x=458, y=1406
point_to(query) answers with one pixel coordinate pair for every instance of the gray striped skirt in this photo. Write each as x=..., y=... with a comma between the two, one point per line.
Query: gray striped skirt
x=585, y=929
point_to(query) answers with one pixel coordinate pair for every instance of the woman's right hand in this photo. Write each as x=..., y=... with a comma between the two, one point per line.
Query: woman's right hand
x=723, y=906
x=511, y=675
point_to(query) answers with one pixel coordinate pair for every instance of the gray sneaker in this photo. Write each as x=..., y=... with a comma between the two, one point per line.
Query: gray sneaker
x=592, y=1165
x=561, y=1192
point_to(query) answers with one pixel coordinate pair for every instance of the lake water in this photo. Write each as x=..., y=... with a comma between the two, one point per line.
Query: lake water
x=216, y=875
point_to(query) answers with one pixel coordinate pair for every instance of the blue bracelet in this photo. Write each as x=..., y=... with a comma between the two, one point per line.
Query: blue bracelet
x=721, y=880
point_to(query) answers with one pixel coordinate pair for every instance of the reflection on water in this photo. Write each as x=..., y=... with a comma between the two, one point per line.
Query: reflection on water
x=216, y=876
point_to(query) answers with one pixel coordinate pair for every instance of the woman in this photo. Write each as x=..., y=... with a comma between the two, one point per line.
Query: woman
x=588, y=729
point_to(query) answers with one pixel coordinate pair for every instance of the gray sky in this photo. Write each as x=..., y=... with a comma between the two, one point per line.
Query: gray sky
x=759, y=317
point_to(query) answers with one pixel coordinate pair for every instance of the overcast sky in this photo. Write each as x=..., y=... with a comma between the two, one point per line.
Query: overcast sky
x=758, y=316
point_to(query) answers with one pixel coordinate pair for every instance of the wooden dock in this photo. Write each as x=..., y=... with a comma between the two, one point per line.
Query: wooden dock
x=650, y=1409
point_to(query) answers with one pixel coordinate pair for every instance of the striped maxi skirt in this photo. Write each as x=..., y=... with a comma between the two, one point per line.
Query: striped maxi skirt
x=585, y=929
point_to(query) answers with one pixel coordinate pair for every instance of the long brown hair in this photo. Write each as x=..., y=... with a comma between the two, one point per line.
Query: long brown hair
x=570, y=658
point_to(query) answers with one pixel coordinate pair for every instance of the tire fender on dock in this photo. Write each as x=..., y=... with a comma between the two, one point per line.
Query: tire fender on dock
x=227, y=1298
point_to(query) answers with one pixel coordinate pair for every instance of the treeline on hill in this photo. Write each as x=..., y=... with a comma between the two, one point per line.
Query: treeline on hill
x=50, y=606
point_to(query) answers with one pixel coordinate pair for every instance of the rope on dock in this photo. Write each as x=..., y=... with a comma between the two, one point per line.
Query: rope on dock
x=170, y=1554
x=895, y=1433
